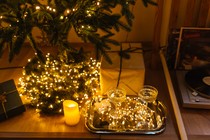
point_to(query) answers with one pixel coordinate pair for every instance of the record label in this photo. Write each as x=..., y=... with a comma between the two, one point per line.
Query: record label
x=206, y=80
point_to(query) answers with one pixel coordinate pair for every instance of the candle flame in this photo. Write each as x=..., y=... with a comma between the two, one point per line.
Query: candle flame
x=71, y=105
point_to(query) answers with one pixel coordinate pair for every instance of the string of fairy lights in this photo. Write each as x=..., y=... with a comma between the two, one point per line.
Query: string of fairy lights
x=94, y=21
x=47, y=85
x=133, y=115
x=89, y=11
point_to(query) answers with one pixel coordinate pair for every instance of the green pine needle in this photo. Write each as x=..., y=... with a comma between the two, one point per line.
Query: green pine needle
x=58, y=17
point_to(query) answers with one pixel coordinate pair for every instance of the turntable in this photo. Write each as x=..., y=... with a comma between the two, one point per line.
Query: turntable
x=194, y=86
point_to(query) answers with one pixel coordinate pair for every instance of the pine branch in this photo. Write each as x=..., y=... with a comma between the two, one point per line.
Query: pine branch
x=2, y=42
x=37, y=50
x=147, y=2
x=56, y=19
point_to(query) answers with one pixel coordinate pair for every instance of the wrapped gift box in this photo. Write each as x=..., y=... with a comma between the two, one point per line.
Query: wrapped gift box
x=11, y=103
x=132, y=72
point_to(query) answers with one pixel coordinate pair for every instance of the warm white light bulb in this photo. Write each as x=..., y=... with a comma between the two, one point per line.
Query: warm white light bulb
x=38, y=8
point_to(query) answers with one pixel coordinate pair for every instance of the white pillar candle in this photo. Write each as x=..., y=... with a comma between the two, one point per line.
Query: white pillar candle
x=71, y=112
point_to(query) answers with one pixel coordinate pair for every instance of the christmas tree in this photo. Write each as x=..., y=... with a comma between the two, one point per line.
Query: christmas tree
x=57, y=17
x=49, y=80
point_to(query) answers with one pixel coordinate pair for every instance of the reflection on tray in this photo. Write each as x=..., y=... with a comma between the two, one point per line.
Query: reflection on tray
x=134, y=117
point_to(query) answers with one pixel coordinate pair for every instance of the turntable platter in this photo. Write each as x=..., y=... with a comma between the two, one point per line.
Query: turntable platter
x=199, y=81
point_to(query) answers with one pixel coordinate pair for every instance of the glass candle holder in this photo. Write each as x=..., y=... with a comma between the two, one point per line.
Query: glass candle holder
x=116, y=97
x=148, y=94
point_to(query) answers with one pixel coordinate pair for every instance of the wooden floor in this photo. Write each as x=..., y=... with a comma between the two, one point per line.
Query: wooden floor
x=31, y=125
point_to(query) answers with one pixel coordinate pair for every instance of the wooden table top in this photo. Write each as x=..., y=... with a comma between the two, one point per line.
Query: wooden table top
x=31, y=125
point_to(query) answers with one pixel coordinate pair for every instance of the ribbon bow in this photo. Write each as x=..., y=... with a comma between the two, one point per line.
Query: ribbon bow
x=2, y=100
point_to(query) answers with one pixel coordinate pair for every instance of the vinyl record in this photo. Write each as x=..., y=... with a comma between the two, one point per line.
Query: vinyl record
x=199, y=81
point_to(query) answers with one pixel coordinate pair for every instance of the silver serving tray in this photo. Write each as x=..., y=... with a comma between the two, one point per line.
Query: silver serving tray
x=91, y=121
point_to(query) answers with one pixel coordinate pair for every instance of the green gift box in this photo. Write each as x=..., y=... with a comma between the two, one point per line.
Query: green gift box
x=11, y=103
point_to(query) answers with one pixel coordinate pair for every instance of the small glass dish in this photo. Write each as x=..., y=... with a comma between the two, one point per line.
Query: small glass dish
x=148, y=94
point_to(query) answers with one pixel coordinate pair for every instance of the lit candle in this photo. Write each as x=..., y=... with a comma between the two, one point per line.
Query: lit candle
x=71, y=112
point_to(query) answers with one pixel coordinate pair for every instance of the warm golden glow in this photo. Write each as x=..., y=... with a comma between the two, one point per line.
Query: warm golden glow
x=48, y=85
